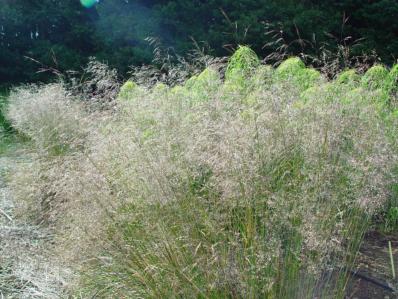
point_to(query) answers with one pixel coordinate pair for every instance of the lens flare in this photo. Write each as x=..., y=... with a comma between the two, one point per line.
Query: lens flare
x=88, y=3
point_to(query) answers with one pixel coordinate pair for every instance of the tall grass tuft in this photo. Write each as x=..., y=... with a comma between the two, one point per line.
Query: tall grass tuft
x=254, y=195
x=49, y=117
x=260, y=187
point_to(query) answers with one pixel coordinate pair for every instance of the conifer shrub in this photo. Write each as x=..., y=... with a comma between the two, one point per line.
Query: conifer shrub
x=242, y=63
x=309, y=77
x=348, y=77
x=290, y=67
x=375, y=78
x=293, y=69
x=241, y=67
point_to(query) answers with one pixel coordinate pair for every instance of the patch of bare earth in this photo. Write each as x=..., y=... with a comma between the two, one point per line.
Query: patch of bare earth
x=372, y=276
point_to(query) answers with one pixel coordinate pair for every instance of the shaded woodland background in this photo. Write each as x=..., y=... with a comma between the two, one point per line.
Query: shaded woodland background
x=58, y=34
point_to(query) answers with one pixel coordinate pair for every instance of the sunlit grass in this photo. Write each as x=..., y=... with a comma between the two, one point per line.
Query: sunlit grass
x=259, y=185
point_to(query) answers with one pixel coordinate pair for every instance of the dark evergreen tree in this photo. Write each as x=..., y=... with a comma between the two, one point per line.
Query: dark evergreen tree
x=63, y=34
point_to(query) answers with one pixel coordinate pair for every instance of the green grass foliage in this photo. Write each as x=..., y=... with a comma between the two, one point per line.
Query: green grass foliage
x=247, y=188
x=293, y=69
x=375, y=77
x=127, y=90
x=5, y=125
x=348, y=77
x=257, y=186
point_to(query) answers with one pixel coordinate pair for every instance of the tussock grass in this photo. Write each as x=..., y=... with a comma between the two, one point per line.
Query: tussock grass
x=258, y=186
x=49, y=117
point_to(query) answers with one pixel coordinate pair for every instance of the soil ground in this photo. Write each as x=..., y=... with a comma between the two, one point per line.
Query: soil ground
x=374, y=275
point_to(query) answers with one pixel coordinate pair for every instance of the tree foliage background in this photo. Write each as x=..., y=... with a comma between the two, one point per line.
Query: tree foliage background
x=63, y=34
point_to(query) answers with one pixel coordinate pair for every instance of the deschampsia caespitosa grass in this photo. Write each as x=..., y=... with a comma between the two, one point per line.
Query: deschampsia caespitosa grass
x=253, y=187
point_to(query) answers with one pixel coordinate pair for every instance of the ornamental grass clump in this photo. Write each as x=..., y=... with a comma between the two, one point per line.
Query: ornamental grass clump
x=49, y=116
x=56, y=128
x=247, y=188
x=241, y=197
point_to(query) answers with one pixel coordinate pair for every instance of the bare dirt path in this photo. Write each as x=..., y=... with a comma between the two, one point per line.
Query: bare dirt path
x=26, y=267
